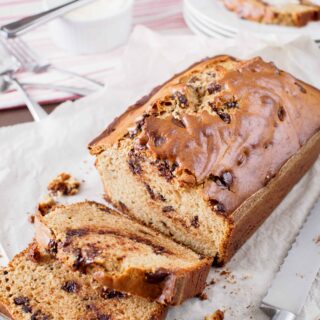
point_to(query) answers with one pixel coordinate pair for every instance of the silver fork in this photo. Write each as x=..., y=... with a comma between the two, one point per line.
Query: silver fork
x=30, y=61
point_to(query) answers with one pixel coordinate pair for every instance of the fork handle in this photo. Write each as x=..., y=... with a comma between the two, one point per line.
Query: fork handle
x=23, y=25
x=35, y=109
x=98, y=85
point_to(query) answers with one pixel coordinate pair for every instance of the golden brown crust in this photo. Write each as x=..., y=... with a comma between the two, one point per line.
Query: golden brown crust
x=119, y=126
x=259, y=11
x=4, y=311
x=267, y=117
x=174, y=290
x=254, y=211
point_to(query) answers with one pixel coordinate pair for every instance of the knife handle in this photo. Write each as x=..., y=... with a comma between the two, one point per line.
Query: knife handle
x=277, y=314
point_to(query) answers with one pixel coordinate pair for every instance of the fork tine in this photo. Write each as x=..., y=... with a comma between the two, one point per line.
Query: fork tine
x=15, y=51
x=31, y=58
x=26, y=50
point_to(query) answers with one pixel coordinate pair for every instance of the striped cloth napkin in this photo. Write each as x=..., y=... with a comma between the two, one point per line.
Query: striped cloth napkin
x=161, y=15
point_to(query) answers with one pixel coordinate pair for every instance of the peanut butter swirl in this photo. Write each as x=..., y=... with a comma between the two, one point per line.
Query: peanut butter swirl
x=233, y=130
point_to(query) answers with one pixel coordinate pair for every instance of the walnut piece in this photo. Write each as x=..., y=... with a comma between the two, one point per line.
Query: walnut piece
x=64, y=184
x=218, y=315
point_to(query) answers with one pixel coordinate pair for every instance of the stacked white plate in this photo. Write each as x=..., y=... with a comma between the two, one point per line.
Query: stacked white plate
x=211, y=18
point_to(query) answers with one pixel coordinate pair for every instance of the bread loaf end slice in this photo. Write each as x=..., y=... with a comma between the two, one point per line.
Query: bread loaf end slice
x=122, y=253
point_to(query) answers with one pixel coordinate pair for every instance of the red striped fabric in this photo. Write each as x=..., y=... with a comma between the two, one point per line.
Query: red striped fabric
x=160, y=15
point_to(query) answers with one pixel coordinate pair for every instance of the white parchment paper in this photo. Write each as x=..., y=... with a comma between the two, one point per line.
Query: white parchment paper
x=31, y=154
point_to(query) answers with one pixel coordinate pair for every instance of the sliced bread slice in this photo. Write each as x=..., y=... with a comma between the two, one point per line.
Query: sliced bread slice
x=38, y=287
x=122, y=253
x=289, y=13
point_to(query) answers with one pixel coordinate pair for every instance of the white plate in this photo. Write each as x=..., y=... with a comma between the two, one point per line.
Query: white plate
x=206, y=25
x=215, y=12
x=194, y=23
x=198, y=28
x=205, y=20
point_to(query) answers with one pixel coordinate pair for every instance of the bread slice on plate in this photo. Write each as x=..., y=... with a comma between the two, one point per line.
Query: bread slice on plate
x=36, y=286
x=289, y=13
x=122, y=253
x=207, y=156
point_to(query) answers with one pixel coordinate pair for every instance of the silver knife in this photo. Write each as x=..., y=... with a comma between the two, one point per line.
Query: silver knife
x=291, y=285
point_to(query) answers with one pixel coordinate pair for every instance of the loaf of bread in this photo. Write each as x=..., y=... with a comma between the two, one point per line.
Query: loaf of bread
x=121, y=253
x=207, y=156
x=36, y=286
x=290, y=13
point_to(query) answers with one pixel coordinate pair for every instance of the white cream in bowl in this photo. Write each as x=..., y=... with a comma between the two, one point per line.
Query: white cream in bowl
x=96, y=27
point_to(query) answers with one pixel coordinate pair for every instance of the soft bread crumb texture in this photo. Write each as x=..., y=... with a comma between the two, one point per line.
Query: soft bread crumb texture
x=206, y=157
x=123, y=253
x=46, y=290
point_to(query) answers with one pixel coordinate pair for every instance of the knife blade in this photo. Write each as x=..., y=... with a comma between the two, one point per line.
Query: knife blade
x=291, y=285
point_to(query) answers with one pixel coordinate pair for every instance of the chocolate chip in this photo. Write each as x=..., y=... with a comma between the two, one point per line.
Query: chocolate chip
x=134, y=162
x=217, y=206
x=302, y=89
x=103, y=317
x=27, y=309
x=224, y=117
x=165, y=169
x=183, y=101
x=52, y=247
x=281, y=113
x=213, y=88
x=24, y=302
x=38, y=315
x=195, y=222
x=178, y=122
x=156, y=277
x=5, y=272
x=21, y=301
x=107, y=293
x=123, y=207
x=225, y=180
x=71, y=286
x=154, y=196
x=194, y=79
x=76, y=232
x=231, y=104
x=167, y=209
x=80, y=262
x=150, y=191
x=158, y=140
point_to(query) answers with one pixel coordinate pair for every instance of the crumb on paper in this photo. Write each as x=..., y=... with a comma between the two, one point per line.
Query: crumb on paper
x=202, y=296
x=46, y=205
x=31, y=218
x=64, y=185
x=228, y=276
x=317, y=240
x=211, y=282
x=245, y=277
x=218, y=315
